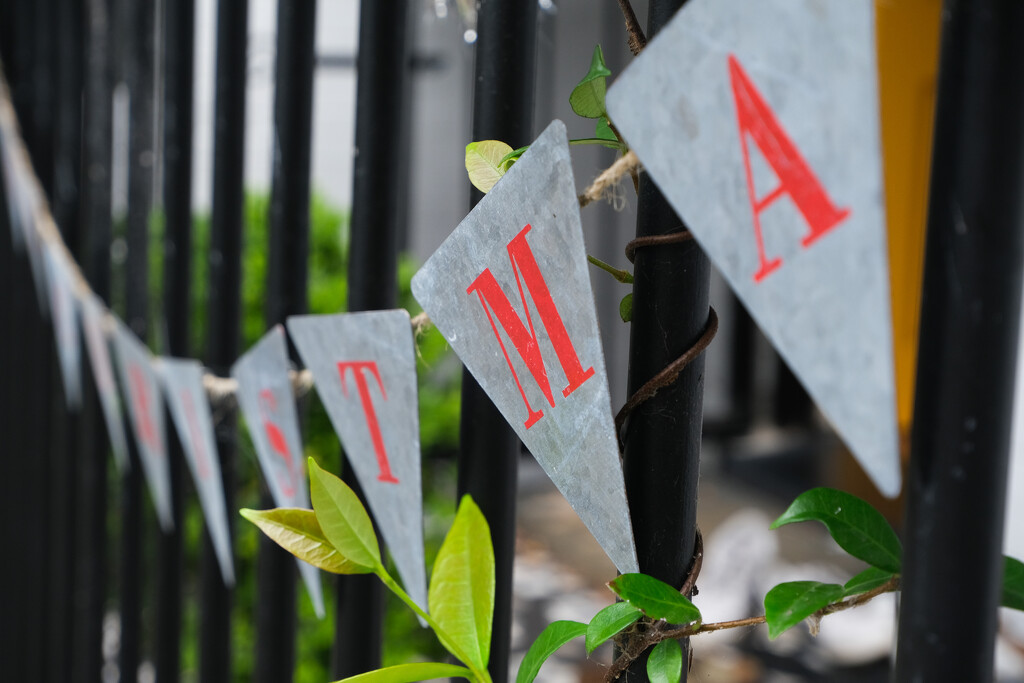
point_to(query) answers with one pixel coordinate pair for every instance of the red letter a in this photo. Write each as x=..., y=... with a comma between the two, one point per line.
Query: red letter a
x=796, y=178
x=525, y=341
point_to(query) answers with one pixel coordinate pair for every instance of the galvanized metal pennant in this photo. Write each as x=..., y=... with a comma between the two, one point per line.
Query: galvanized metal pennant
x=510, y=291
x=267, y=402
x=190, y=411
x=145, y=407
x=93, y=314
x=766, y=142
x=364, y=365
x=64, y=308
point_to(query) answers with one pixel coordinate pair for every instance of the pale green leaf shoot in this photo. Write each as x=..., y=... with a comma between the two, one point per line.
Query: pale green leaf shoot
x=298, y=532
x=409, y=673
x=486, y=162
x=343, y=518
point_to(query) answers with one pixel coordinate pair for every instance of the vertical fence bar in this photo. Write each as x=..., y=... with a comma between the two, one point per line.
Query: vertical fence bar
x=287, y=277
x=94, y=257
x=178, y=45
x=64, y=424
x=224, y=327
x=382, y=98
x=139, y=25
x=489, y=450
x=662, y=437
x=967, y=351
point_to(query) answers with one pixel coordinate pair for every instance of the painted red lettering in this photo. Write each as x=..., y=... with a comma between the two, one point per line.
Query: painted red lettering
x=268, y=406
x=756, y=119
x=143, y=418
x=524, y=337
x=359, y=368
x=198, y=443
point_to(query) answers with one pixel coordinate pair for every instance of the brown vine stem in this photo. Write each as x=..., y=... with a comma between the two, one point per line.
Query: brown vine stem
x=637, y=40
x=640, y=644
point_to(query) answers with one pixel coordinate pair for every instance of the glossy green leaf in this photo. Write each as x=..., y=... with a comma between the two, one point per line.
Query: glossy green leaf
x=656, y=598
x=556, y=635
x=665, y=663
x=511, y=158
x=343, y=518
x=409, y=673
x=788, y=604
x=858, y=528
x=298, y=532
x=868, y=580
x=485, y=163
x=1013, y=583
x=609, y=622
x=626, y=308
x=461, y=595
x=587, y=98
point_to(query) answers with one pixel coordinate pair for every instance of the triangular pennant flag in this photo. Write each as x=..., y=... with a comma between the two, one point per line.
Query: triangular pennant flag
x=190, y=411
x=13, y=191
x=93, y=314
x=364, y=367
x=63, y=306
x=146, y=409
x=766, y=142
x=267, y=402
x=510, y=291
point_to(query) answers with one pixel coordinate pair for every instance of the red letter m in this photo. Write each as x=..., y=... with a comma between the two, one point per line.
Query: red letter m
x=795, y=177
x=524, y=337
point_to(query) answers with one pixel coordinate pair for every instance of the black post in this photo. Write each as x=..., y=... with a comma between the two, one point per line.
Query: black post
x=662, y=436
x=140, y=36
x=224, y=327
x=382, y=97
x=287, y=275
x=956, y=487
x=94, y=257
x=489, y=450
x=178, y=27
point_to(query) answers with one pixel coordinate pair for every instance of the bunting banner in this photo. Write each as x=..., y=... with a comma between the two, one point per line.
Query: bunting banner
x=64, y=315
x=767, y=145
x=145, y=408
x=190, y=411
x=267, y=402
x=96, y=343
x=364, y=368
x=20, y=197
x=510, y=291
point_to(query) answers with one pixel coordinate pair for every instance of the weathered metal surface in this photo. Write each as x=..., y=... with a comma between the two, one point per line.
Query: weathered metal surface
x=97, y=344
x=364, y=366
x=759, y=121
x=267, y=402
x=510, y=291
x=64, y=316
x=190, y=412
x=145, y=407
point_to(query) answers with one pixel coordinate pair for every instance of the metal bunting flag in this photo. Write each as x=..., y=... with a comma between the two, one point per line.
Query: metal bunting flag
x=510, y=291
x=190, y=411
x=267, y=403
x=364, y=366
x=766, y=142
x=96, y=343
x=64, y=316
x=145, y=407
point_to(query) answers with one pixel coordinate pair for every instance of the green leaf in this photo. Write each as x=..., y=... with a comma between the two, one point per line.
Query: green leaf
x=587, y=98
x=665, y=663
x=1013, y=583
x=461, y=594
x=656, y=598
x=603, y=131
x=868, y=580
x=511, y=158
x=343, y=518
x=626, y=308
x=298, y=532
x=408, y=673
x=610, y=621
x=484, y=163
x=858, y=528
x=788, y=604
x=557, y=634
